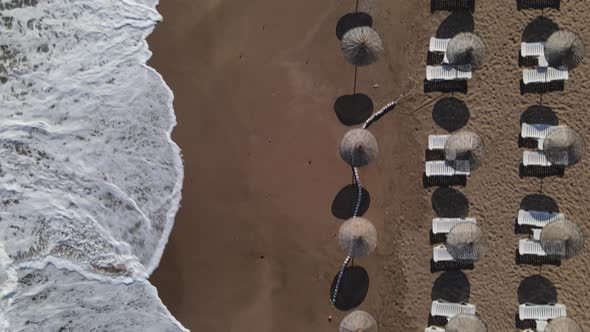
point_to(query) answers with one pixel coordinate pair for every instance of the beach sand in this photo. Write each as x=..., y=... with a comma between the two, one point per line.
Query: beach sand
x=254, y=246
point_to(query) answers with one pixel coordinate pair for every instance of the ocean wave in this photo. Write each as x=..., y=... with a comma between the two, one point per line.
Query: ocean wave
x=89, y=175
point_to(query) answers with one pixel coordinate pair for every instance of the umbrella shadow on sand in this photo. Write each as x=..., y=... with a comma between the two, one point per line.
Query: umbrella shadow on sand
x=353, y=109
x=351, y=21
x=451, y=286
x=457, y=22
x=450, y=113
x=539, y=29
x=345, y=202
x=353, y=288
x=537, y=289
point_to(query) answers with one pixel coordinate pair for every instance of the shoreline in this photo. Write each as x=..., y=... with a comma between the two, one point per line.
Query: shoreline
x=254, y=243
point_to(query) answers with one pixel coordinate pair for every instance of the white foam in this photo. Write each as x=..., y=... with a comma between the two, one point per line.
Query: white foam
x=89, y=176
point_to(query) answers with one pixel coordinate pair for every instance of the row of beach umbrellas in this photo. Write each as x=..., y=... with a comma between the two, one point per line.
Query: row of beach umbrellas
x=360, y=46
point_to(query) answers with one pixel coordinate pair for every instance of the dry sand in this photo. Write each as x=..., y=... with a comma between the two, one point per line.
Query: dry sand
x=254, y=244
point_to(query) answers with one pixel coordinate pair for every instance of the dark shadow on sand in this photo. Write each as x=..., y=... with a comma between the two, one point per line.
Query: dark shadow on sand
x=450, y=5
x=450, y=113
x=538, y=114
x=452, y=286
x=450, y=203
x=537, y=4
x=539, y=202
x=351, y=21
x=353, y=288
x=457, y=22
x=540, y=171
x=539, y=29
x=345, y=202
x=537, y=289
x=459, y=86
x=535, y=260
x=443, y=181
x=540, y=88
x=353, y=109
x=450, y=266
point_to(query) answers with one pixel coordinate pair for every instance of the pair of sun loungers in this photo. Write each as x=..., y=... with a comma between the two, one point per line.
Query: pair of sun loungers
x=444, y=72
x=444, y=226
x=435, y=168
x=538, y=132
x=536, y=220
x=543, y=73
x=448, y=310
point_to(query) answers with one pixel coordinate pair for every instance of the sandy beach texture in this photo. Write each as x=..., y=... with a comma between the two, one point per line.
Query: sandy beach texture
x=254, y=244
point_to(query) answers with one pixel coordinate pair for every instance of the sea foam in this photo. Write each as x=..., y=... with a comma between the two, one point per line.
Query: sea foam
x=90, y=179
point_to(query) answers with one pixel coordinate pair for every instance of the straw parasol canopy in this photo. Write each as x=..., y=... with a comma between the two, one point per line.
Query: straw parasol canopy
x=563, y=324
x=358, y=237
x=564, y=146
x=562, y=239
x=466, y=51
x=358, y=321
x=564, y=49
x=361, y=46
x=467, y=146
x=466, y=323
x=466, y=242
x=358, y=147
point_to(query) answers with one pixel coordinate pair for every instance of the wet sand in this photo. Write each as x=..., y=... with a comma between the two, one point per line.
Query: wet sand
x=254, y=243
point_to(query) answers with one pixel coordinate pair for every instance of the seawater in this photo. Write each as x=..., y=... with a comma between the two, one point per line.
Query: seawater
x=90, y=179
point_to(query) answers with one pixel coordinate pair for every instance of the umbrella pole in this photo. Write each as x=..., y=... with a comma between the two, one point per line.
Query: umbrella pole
x=354, y=85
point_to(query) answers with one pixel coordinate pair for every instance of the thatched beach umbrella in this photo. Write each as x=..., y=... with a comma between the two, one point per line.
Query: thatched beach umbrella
x=564, y=49
x=358, y=237
x=466, y=323
x=466, y=51
x=564, y=146
x=361, y=46
x=358, y=321
x=465, y=145
x=563, y=324
x=358, y=147
x=466, y=242
x=562, y=239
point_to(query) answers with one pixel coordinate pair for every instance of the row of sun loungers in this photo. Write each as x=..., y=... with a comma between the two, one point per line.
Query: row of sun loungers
x=442, y=167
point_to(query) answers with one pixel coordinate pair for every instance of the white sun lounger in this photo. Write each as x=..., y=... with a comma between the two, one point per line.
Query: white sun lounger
x=535, y=158
x=438, y=44
x=441, y=254
x=529, y=247
x=437, y=142
x=444, y=225
x=536, y=131
x=446, y=73
x=544, y=75
x=537, y=218
x=538, y=158
x=534, y=50
x=541, y=312
x=446, y=168
x=434, y=329
x=450, y=310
